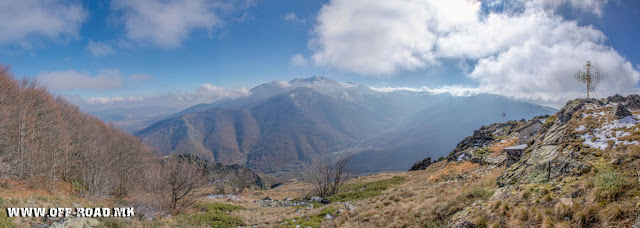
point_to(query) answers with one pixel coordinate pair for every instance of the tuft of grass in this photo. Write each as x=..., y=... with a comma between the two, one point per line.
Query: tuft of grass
x=358, y=191
x=216, y=215
x=611, y=213
x=443, y=212
x=113, y=223
x=611, y=185
x=219, y=207
x=478, y=193
x=587, y=217
x=5, y=221
x=561, y=211
x=549, y=121
x=313, y=221
x=213, y=219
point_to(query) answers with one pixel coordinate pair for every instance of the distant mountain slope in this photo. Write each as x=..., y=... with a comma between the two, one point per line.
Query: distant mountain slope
x=282, y=126
x=434, y=131
x=134, y=118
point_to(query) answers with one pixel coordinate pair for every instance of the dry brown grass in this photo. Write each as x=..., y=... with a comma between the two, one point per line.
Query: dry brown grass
x=443, y=171
x=425, y=200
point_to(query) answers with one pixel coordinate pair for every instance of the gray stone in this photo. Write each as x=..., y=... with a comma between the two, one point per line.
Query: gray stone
x=75, y=223
x=622, y=111
x=349, y=207
x=465, y=224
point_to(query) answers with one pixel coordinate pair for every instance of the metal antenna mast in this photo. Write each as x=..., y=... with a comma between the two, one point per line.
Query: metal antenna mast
x=589, y=78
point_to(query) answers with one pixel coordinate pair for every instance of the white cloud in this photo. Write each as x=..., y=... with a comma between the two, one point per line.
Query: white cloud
x=26, y=19
x=591, y=6
x=110, y=100
x=528, y=52
x=455, y=90
x=205, y=93
x=99, y=48
x=72, y=80
x=166, y=23
x=292, y=17
x=299, y=60
x=210, y=91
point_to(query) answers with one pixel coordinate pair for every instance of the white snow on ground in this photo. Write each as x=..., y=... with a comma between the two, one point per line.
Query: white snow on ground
x=610, y=132
x=602, y=113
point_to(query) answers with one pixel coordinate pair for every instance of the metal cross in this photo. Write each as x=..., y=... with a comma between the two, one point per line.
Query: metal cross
x=589, y=78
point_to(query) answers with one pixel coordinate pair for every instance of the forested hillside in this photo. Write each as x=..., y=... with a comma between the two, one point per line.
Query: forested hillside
x=44, y=139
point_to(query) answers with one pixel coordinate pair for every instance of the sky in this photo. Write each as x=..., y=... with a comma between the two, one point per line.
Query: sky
x=134, y=53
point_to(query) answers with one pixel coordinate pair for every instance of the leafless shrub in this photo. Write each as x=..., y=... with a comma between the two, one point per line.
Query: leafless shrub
x=327, y=176
x=182, y=180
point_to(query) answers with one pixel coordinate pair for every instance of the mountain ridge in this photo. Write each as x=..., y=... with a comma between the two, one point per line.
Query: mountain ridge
x=286, y=125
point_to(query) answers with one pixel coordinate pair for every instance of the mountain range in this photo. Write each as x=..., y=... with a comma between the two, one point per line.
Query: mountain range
x=283, y=126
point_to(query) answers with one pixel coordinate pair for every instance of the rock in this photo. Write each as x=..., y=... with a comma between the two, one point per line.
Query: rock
x=288, y=199
x=328, y=216
x=340, y=211
x=633, y=101
x=622, y=111
x=421, y=165
x=513, y=156
x=316, y=198
x=349, y=207
x=616, y=98
x=275, y=185
x=310, y=207
x=266, y=198
x=75, y=223
x=565, y=114
x=465, y=224
x=325, y=201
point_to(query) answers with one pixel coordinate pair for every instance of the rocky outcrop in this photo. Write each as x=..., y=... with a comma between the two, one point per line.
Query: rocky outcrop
x=475, y=148
x=421, y=165
x=622, y=111
x=556, y=150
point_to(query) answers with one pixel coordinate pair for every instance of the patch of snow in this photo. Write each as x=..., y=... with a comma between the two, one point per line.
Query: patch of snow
x=628, y=120
x=601, y=113
x=461, y=157
x=600, y=137
x=581, y=128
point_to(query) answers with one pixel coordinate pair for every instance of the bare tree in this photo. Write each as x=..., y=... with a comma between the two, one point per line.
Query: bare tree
x=327, y=176
x=183, y=180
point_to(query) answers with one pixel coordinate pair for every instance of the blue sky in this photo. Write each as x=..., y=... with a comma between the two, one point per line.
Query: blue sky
x=112, y=53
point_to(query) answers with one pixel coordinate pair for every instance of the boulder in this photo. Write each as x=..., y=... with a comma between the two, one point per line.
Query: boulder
x=622, y=111
x=465, y=224
x=421, y=165
x=76, y=223
x=349, y=207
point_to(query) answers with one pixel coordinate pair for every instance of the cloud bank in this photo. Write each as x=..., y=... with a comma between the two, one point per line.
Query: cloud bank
x=166, y=23
x=520, y=49
x=26, y=20
x=205, y=93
